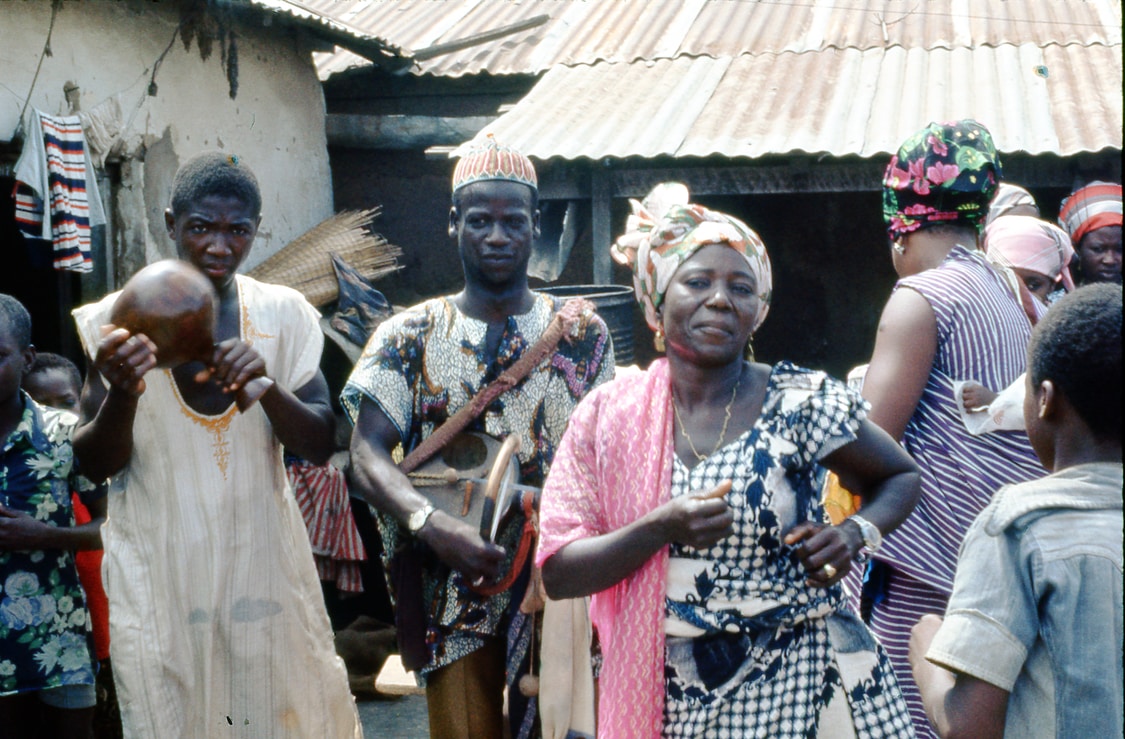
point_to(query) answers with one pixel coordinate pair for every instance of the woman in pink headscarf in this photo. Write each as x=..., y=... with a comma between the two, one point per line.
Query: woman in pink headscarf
x=1039, y=255
x=684, y=499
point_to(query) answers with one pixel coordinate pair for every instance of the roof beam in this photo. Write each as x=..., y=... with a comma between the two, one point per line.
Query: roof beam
x=481, y=38
x=400, y=132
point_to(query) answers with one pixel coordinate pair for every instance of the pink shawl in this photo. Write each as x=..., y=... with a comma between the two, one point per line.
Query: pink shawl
x=614, y=465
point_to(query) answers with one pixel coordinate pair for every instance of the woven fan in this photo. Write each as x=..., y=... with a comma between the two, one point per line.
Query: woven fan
x=305, y=264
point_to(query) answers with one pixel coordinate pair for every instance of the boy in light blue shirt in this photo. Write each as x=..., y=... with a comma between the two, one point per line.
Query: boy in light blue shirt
x=1031, y=643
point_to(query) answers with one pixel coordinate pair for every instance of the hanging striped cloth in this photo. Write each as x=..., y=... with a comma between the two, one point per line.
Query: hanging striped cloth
x=322, y=495
x=54, y=177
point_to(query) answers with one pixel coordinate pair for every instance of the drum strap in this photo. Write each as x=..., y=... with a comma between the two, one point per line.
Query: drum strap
x=569, y=321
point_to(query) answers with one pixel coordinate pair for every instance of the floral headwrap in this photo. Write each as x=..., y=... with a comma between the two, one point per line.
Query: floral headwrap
x=1089, y=208
x=665, y=230
x=1025, y=242
x=947, y=172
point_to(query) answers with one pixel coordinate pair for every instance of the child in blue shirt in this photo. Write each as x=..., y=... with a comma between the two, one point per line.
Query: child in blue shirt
x=46, y=673
x=1031, y=643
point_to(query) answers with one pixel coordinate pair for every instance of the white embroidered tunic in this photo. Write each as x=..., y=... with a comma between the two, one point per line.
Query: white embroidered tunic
x=217, y=621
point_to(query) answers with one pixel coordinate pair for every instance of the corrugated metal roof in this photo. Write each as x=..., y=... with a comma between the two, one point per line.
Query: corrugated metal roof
x=588, y=31
x=1059, y=99
x=337, y=31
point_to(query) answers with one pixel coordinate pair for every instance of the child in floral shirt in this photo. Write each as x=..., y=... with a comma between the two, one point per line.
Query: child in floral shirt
x=46, y=674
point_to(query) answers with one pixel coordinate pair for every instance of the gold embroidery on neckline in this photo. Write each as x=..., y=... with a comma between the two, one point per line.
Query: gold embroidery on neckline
x=217, y=426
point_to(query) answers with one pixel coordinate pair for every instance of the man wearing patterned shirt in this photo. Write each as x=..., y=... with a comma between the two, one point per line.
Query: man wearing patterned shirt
x=418, y=369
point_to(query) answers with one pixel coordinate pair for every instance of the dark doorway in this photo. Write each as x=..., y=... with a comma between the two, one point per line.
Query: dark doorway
x=29, y=276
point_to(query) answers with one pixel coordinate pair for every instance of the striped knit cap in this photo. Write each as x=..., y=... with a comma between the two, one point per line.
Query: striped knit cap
x=490, y=160
x=1089, y=208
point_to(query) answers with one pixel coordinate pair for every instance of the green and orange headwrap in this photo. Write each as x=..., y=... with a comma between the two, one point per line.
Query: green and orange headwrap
x=947, y=172
x=665, y=230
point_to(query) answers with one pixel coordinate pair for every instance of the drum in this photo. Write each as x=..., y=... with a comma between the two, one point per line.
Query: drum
x=475, y=478
x=468, y=478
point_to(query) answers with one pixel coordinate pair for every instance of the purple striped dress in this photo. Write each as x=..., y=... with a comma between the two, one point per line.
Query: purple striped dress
x=982, y=335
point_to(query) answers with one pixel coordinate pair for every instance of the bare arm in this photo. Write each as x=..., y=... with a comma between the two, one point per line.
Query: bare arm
x=591, y=565
x=303, y=420
x=21, y=532
x=905, y=347
x=957, y=705
x=877, y=469
x=374, y=475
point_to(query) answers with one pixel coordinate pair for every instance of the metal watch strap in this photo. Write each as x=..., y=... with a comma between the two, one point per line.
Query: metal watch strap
x=870, y=534
x=872, y=537
x=419, y=517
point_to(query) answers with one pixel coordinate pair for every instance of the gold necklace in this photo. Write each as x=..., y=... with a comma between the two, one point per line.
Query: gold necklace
x=722, y=431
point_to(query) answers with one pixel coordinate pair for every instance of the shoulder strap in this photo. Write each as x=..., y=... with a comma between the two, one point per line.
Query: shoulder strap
x=571, y=320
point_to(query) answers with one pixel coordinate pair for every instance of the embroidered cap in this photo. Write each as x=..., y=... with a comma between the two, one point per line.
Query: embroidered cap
x=491, y=160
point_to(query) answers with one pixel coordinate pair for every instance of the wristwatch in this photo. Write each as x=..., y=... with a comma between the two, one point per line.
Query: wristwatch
x=872, y=537
x=418, y=518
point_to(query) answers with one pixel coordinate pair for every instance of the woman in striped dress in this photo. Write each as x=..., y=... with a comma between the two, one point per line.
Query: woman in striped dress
x=951, y=317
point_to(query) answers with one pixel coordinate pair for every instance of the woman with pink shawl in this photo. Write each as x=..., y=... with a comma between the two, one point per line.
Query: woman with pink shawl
x=684, y=500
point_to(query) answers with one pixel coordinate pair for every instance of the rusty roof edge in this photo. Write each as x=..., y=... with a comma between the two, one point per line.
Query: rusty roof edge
x=344, y=35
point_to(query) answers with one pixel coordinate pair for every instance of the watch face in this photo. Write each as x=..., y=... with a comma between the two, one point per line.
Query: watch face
x=418, y=518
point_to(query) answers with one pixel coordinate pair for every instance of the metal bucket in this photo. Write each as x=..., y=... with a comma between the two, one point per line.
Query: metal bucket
x=615, y=306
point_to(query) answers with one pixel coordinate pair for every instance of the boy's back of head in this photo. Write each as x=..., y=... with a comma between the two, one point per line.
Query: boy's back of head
x=1077, y=346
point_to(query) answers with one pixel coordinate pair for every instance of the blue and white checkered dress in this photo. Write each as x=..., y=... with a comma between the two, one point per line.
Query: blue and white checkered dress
x=752, y=651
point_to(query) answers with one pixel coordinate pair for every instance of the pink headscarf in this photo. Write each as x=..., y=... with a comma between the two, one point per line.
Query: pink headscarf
x=1029, y=243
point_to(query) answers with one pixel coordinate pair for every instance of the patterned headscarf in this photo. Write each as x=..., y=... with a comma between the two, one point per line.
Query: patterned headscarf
x=1007, y=198
x=1025, y=242
x=1089, y=208
x=947, y=172
x=665, y=230
x=491, y=160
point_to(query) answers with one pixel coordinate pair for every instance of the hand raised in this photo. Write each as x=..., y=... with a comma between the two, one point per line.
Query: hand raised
x=460, y=546
x=700, y=519
x=233, y=364
x=123, y=359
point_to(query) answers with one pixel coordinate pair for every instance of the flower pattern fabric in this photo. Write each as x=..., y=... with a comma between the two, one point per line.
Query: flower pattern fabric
x=423, y=365
x=44, y=624
x=947, y=172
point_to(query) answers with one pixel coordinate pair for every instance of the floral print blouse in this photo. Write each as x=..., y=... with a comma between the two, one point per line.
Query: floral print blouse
x=44, y=626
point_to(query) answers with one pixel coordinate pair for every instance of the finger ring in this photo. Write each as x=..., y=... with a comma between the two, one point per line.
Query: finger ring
x=829, y=571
